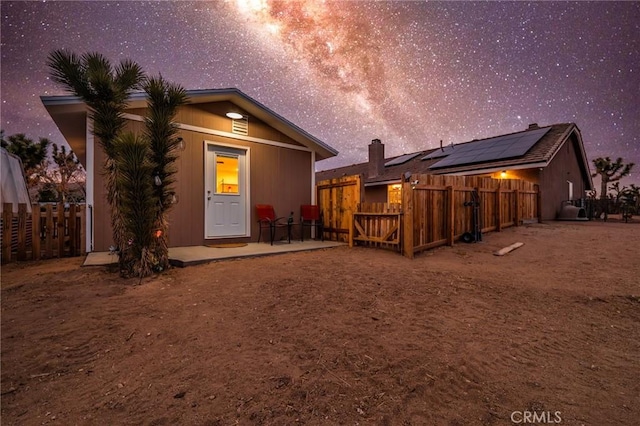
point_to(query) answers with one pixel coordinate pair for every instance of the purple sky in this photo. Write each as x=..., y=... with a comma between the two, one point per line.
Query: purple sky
x=408, y=73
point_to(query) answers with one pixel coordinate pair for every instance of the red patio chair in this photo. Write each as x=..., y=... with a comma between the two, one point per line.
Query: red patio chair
x=267, y=219
x=311, y=216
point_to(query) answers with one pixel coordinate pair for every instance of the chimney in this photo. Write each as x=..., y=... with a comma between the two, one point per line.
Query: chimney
x=376, y=158
x=533, y=126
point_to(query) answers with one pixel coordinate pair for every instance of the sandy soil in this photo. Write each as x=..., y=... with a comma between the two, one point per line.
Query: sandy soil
x=344, y=336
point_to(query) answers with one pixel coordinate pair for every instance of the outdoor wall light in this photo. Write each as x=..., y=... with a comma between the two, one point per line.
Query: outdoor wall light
x=503, y=174
x=181, y=144
x=157, y=180
x=235, y=115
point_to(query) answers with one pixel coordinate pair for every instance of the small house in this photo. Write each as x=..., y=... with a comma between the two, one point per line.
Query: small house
x=235, y=153
x=14, y=185
x=553, y=157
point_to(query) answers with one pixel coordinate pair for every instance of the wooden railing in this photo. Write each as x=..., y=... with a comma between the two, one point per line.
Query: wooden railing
x=48, y=231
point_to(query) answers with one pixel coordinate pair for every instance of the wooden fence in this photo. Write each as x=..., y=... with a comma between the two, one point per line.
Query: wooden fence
x=48, y=231
x=435, y=211
x=338, y=199
x=438, y=211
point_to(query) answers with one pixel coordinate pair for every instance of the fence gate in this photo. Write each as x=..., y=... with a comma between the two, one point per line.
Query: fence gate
x=338, y=199
x=377, y=225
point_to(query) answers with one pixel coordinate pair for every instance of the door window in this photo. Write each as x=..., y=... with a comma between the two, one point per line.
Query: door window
x=227, y=174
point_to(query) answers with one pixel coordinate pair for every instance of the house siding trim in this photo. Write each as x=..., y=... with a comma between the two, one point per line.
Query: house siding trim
x=221, y=133
x=90, y=170
x=313, y=179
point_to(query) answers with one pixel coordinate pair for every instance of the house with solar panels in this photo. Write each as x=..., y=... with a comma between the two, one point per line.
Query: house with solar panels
x=552, y=157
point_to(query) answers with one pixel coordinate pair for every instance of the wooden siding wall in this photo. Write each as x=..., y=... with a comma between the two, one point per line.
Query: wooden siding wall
x=48, y=231
x=339, y=199
x=554, y=187
x=212, y=116
x=278, y=176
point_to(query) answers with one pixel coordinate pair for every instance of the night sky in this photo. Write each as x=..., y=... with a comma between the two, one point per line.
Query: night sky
x=408, y=73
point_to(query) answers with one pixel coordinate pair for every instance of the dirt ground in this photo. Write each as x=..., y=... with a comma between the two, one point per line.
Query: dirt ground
x=342, y=336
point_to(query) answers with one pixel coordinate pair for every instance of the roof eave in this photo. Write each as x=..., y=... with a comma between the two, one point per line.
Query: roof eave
x=72, y=104
x=493, y=169
x=582, y=153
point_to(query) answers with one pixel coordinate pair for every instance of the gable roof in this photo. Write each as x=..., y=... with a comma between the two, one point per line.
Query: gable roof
x=69, y=113
x=539, y=155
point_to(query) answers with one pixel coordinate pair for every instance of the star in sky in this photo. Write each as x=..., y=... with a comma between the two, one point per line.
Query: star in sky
x=408, y=73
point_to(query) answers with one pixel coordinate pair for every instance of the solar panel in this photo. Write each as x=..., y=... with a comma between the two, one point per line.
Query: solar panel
x=439, y=153
x=498, y=148
x=402, y=159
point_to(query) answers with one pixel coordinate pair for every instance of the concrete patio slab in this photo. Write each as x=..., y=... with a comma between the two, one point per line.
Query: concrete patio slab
x=100, y=258
x=185, y=256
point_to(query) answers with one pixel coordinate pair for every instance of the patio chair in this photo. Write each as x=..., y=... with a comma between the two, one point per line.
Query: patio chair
x=311, y=216
x=267, y=219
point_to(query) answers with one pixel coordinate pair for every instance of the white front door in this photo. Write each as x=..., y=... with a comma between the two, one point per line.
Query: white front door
x=225, y=192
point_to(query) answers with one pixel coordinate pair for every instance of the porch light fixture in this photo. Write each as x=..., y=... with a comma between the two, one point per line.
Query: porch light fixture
x=503, y=174
x=235, y=115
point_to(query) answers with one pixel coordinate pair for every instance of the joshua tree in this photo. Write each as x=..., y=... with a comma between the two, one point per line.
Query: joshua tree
x=609, y=172
x=68, y=170
x=137, y=204
x=139, y=168
x=631, y=200
x=164, y=99
x=617, y=191
x=105, y=90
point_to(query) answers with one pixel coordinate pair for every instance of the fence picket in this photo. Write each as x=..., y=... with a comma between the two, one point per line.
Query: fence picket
x=60, y=234
x=49, y=231
x=7, y=220
x=35, y=231
x=22, y=233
